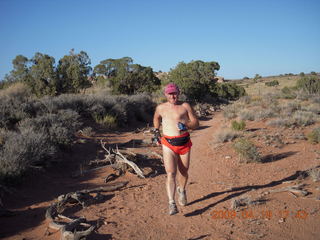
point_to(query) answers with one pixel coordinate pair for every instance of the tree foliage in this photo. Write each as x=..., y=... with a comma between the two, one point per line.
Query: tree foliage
x=42, y=75
x=73, y=71
x=194, y=78
x=44, y=78
x=126, y=77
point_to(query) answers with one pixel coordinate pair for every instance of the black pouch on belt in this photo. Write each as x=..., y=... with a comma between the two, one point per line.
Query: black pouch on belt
x=180, y=141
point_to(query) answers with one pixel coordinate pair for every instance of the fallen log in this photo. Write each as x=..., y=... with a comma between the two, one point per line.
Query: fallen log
x=119, y=158
x=77, y=228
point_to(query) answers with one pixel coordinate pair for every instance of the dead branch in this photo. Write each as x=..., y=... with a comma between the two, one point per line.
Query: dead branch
x=296, y=189
x=119, y=158
x=122, y=158
x=76, y=229
x=108, y=188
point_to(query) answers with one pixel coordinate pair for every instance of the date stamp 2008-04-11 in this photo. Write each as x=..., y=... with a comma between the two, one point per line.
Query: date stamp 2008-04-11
x=262, y=214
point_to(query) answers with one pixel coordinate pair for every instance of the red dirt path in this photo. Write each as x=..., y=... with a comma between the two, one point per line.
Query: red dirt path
x=139, y=211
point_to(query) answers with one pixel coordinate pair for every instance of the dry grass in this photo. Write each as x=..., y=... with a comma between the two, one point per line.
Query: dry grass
x=247, y=151
x=314, y=173
x=225, y=135
x=260, y=88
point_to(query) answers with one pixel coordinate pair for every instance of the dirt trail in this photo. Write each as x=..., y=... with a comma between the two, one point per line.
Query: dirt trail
x=216, y=178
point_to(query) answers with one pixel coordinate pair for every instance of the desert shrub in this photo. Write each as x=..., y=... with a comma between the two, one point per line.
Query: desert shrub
x=87, y=131
x=224, y=135
x=238, y=126
x=10, y=111
x=245, y=100
x=59, y=127
x=247, y=151
x=310, y=84
x=314, y=135
x=230, y=111
x=315, y=99
x=270, y=98
x=302, y=118
x=18, y=90
x=289, y=108
x=247, y=114
x=272, y=83
x=303, y=95
x=278, y=122
x=288, y=93
x=20, y=150
x=314, y=173
x=124, y=108
x=108, y=121
x=313, y=107
x=260, y=113
x=298, y=119
x=229, y=91
x=141, y=106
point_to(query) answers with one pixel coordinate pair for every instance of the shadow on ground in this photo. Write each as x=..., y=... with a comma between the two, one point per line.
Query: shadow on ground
x=276, y=157
x=235, y=192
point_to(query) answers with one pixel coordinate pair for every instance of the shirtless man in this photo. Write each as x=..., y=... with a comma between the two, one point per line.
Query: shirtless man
x=176, y=118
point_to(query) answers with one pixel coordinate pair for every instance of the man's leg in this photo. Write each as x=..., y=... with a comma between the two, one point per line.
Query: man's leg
x=170, y=164
x=183, y=167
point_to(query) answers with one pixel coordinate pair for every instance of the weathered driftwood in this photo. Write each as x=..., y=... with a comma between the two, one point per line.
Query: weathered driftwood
x=76, y=229
x=296, y=189
x=116, y=157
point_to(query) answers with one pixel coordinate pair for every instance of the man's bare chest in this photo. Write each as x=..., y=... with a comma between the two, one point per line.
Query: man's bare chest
x=176, y=113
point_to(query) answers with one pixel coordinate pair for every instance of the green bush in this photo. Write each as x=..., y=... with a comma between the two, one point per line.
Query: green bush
x=229, y=91
x=247, y=151
x=310, y=85
x=238, y=126
x=108, y=121
x=314, y=135
x=288, y=93
x=272, y=83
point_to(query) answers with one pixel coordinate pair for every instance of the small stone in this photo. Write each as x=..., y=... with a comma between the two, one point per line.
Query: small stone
x=281, y=220
x=228, y=157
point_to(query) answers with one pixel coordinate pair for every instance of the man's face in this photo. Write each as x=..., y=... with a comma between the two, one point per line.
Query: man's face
x=172, y=97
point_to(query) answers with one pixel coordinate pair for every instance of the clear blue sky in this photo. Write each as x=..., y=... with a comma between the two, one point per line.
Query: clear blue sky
x=267, y=37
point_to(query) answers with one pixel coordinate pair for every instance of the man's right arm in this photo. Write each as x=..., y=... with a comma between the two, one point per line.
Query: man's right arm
x=157, y=118
x=156, y=124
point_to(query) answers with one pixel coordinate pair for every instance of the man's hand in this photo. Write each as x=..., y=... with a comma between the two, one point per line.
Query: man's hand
x=156, y=136
x=182, y=127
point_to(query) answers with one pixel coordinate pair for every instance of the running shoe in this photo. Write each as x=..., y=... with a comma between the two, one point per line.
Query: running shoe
x=173, y=208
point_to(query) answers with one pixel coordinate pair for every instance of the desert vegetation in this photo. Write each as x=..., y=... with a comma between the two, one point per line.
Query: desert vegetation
x=293, y=105
x=43, y=104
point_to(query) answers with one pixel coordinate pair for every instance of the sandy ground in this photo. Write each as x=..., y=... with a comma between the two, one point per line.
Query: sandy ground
x=139, y=211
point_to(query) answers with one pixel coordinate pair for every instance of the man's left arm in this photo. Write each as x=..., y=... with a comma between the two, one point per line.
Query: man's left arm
x=193, y=122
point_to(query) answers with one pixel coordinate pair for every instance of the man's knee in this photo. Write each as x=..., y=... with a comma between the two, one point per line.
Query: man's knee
x=171, y=175
x=184, y=171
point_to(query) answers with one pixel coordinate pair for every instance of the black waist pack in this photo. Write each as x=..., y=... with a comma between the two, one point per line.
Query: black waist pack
x=180, y=141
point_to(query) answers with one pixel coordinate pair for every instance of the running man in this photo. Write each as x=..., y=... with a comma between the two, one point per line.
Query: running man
x=176, y=118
